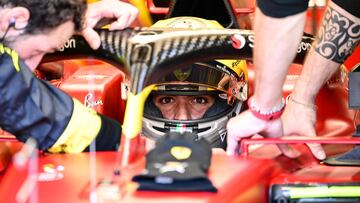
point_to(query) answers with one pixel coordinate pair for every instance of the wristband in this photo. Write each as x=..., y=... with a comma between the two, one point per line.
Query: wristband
x=272, y=114
x=311, y=106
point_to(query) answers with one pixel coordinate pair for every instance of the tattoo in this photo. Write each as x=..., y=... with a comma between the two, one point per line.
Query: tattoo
x=337, y=37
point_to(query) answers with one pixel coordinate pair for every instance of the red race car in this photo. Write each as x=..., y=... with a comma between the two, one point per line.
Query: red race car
x=104, y=82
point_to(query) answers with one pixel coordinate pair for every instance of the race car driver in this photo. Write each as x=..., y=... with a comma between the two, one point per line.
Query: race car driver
x=33, y=108
x=192, y=99
x=199, y=97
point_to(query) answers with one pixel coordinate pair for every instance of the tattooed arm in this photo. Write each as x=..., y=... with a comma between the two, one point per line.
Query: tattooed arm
x=280, y=25
x=337, y=37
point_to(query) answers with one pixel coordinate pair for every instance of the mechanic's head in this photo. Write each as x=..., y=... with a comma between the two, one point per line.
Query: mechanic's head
x=34, y=28
x=199, y=97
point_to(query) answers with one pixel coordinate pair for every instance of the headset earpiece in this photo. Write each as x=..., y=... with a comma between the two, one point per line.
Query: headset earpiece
x=12, y=22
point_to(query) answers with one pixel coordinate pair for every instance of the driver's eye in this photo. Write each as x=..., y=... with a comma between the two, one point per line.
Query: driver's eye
x=200, y=100
x=166, y=100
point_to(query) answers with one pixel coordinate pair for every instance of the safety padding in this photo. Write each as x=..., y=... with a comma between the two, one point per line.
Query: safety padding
x=98, y=87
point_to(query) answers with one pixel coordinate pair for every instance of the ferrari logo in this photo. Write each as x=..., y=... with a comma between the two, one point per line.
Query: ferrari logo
x=182, y=74
x=180, y=152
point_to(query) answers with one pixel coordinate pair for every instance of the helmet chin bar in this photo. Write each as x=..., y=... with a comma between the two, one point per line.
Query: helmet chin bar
x=212, y=129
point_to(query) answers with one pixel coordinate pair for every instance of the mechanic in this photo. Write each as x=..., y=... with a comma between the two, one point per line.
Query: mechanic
x=337, y=37
x=33, y=108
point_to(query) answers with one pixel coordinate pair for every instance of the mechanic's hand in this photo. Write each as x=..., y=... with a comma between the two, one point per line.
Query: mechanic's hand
x=299, y=119
x=246, y=125
x=123, y=13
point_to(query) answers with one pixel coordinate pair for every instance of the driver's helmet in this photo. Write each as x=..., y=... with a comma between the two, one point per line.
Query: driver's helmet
x=223, y=80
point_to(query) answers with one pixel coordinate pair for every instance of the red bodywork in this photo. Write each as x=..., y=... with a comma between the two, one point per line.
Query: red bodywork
x=239, y=179
x=246, y=178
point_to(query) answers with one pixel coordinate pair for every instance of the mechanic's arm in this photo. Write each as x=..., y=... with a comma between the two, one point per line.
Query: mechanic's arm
x=330, y=49
x=332, y=46
x=33, y=108
x=123, y=14
x=276, y=40
x=245, y=20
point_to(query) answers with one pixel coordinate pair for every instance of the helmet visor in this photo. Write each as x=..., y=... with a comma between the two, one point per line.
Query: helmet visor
x=204, y=77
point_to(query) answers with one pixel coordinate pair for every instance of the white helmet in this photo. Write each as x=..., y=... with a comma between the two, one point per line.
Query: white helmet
x=224, y=80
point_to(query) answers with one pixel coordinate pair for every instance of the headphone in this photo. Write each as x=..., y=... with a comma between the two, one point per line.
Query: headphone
x=12, y=22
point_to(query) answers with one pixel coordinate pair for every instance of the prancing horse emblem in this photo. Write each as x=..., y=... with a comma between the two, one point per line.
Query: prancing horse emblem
x=182, y=74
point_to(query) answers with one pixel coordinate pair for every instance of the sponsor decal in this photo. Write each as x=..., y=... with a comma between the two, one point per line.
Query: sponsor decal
x=171, y=166
x=223, y=96
x=88, y=101
x=50, y=172
x=69, y=44
x=251, y=41
x=303, y=46
x=238, y=41
x=124, y=91
x=235, y=63
x=222, y=135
